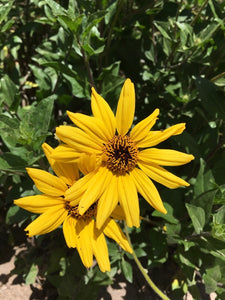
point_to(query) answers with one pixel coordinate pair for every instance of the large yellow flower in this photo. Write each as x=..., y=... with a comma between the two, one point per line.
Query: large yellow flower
x=79, y=231
x=125, y=158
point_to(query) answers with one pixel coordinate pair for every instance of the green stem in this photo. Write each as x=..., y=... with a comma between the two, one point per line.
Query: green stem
x=148, y=279
x=199, y=13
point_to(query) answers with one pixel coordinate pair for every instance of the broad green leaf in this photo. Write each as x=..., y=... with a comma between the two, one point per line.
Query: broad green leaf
x=10, y=162
x=8, y=90
x=186, y=261
x=197, y=216
x=211, y=278
x=110, y=12
x=205, y=201
x=212, y=102
x=60, y=67
x=76, y=87
x=220, y=195
x=186, y=32
x=218, y=229
x=91, y=21
x=73, y=25
x=35, y=122
x=56, y=8
x=5, y=9
x=32, y=274
x=219, y=217
x=169, y=217
x=162, y=27
x=15, y=215
x=127, y=270
x=207, y=33
x=91, y=51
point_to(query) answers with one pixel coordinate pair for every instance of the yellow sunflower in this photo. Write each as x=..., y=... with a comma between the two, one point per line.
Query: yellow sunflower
x=80, y=231
x=125, y=158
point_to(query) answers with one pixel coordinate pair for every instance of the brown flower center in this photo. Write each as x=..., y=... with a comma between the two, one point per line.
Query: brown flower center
x=73, y=211
x=120, y=154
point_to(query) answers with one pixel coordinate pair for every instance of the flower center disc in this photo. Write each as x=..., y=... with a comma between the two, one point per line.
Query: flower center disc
x=120, y=154
x=73, y=211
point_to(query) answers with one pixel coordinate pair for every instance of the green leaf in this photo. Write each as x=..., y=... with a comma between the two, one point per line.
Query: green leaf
x=211, y=278
x=56, y=8
x=184, y=260
x=169, y=216
x=8, y=90
x=32, y=274
x=15, y=214
x=60, y=67
x=162, y=27
x=91, y=51
x=203, y=179
x=197, y=216
x=73, y=25
x=220, y=195
x=205, y=201
x=127, y=270
x=35, y=121
x=186, y=31
x=218, y=229
x=5, y=9
x=213, y=103
x=207, y=33
x=91, y=21
x=76, y=87
x=11, y=162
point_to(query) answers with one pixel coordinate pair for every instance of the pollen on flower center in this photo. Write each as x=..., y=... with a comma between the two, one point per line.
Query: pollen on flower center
x=120, y=154
x=73, y=211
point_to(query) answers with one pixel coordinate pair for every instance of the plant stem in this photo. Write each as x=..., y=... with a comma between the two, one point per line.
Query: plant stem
x=144, y=273
x=199, y=13
x=217, y=77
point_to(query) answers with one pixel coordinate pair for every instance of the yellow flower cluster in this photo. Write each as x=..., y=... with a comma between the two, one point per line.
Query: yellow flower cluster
x=101, y=167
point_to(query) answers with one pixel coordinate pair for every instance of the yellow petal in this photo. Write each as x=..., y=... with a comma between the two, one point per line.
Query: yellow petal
x=118, y=213
x=129, y=200
x=100, y=250
x=164, y=157
x=69, y=232
x=95, y=189
x=102, y=110
x=47, y=183
x=48, y=221
x=148, y=190
x=66, y=154
x=78, y=139
x=155, y=137
x=78, y=188
x=84, y=232
x=107, y=202
x=162, y=176
x=113, y=231
x=91, y=125
x=125, y=108
x=142, y=128
x=68, y=172
x=38, y=204
x=87, y=163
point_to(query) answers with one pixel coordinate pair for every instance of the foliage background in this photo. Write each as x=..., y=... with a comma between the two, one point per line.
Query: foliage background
x=51, y=53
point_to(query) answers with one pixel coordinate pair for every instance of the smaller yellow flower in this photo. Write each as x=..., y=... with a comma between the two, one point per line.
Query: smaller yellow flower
x=80, y=231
